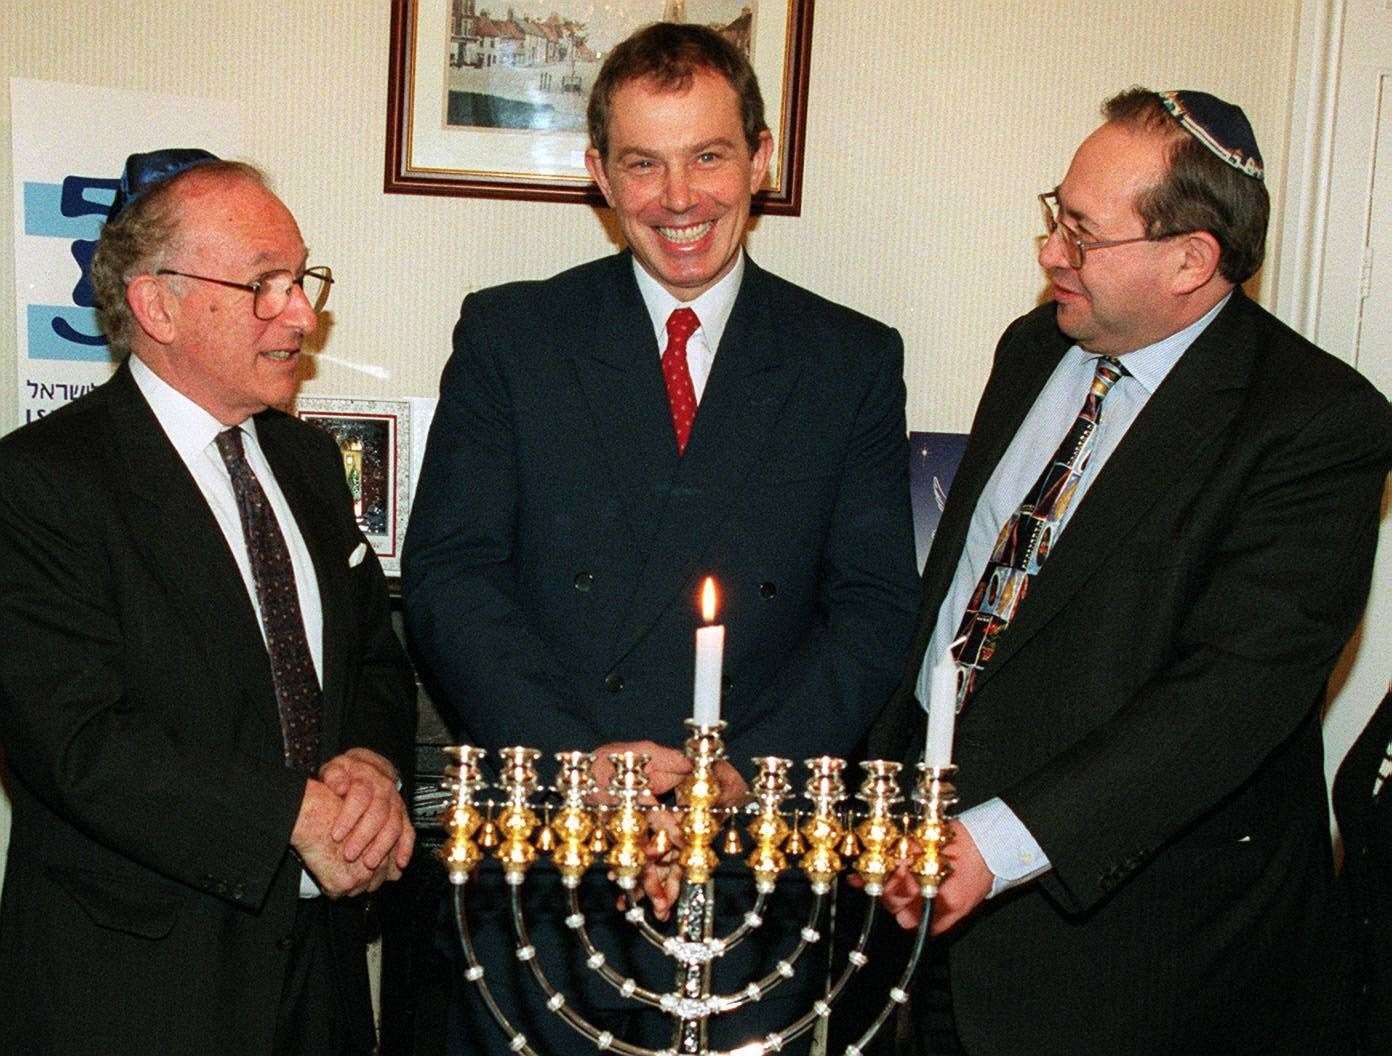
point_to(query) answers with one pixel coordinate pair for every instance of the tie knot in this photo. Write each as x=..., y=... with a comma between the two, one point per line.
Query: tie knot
x=229, y=445
x=1109, y=372
x=681, y=324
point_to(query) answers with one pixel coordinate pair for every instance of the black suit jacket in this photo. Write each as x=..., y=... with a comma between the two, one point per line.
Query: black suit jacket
x=557, y=543
x=1151, y=715
x=149, y=885
x=1365, y=822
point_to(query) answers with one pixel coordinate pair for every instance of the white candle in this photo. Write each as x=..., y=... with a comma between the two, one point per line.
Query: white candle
x=942, y=712
x=710, y=653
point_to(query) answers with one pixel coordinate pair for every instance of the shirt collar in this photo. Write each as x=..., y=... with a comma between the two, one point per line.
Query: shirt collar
x=189, y=427
x=713, y=307
x=1152, y=364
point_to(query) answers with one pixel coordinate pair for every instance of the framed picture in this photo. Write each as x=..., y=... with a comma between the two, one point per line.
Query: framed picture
x=487, y=98
x=374, y=437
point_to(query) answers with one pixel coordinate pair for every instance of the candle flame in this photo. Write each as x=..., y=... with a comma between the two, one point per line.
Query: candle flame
x=708, y=600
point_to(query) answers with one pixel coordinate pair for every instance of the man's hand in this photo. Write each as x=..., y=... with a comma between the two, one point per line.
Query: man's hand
x=662, y=876
x=734, y=790
x=667, y=767
x=373, y=823
x=313, y=842
x=958, y=896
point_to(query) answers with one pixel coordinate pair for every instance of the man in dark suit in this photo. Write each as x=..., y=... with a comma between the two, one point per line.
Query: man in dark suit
x=201, y=697
x=610, y=436
x=1363, y=808
x=1143, y=862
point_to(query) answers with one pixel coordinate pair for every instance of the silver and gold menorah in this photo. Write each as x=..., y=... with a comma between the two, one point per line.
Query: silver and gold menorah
x=581, y=827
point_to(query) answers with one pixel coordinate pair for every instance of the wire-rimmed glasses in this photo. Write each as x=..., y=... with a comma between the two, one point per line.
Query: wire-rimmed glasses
x=271, y=291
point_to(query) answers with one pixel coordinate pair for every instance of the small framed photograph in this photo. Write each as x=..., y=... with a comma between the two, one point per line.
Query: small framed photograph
x=374, y=437
x=487, y=99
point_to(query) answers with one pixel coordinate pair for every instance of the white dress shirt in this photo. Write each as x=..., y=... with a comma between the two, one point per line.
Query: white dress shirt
x=712, y=308
x=1011, y=853
x=193, y=431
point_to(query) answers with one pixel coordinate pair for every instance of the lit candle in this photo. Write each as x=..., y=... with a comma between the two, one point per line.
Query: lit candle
x=710, y=651
x=942, y=712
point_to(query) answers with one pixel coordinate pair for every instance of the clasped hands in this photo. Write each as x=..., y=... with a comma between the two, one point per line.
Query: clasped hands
x=667, y=768
x=353, y=832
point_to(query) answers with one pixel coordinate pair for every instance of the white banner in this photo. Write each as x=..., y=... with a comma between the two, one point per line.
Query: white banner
x=70, y=146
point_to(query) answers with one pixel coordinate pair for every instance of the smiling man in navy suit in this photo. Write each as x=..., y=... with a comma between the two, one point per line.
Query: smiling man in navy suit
x=610, y=436
x=201, y=697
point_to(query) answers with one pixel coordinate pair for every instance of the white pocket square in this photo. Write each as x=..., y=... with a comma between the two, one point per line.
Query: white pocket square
x=356, y=557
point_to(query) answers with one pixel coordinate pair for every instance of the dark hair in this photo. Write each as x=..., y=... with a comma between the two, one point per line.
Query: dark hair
x=670, y=53
x=1199, y=191
x=140, y=240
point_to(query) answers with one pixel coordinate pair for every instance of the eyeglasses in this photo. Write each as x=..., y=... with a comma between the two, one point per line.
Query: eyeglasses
x=1074, y=248
x=271, y=291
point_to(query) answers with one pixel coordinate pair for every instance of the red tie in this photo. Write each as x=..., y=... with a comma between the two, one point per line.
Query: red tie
x=681, y=394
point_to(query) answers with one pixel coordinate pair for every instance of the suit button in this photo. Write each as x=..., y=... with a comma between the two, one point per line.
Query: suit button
x=283, y=944
x=767, y=589
x=613, y=682
x=725, y=684
x=584, y=581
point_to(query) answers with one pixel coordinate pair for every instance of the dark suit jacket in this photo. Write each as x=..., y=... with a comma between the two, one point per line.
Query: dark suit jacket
x=1151, y=714
x=149, y=884
x=1365, y=823
x=557, y=543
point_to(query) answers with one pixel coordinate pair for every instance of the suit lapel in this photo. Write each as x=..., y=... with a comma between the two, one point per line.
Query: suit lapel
x=616, y=362
x=315, y=520
x=752, y=375
x=183, y=545
x=1010, y=393
x=1192, y=407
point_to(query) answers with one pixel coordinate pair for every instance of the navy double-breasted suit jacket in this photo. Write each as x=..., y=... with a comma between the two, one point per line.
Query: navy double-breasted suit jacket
x=557, y=543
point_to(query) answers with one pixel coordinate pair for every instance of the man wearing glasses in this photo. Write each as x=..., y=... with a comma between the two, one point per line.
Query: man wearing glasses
x=1145, y=620
x=201, y=698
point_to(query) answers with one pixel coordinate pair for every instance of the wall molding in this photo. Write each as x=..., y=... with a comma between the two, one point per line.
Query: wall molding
x=1309, y=164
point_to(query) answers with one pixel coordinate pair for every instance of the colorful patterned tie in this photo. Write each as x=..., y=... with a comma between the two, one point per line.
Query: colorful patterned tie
x=1027, y=537
x=681, y=394
x=292, y=667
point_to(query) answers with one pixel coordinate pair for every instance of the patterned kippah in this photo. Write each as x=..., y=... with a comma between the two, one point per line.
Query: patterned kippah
x=1219, y=126
x=144, y=171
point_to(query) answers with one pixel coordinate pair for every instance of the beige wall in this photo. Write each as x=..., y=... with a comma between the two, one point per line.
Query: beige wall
x=932, y=125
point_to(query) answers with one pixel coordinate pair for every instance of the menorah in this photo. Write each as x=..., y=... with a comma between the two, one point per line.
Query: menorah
x=580, y=829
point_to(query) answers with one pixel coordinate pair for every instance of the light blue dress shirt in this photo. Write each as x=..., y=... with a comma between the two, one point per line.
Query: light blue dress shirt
x=1009, y=850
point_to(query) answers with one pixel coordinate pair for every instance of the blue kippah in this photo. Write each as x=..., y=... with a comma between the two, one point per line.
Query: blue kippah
x=144, y=171
x=1221, y=127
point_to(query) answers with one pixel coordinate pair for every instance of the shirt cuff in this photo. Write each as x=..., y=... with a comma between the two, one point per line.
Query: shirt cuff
x=1009, y=850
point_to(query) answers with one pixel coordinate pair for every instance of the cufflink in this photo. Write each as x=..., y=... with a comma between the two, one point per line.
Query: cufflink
x=356, y=557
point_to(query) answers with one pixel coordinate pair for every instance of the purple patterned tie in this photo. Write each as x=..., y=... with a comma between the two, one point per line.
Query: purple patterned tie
x=292, y=667
x=1027, y=537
